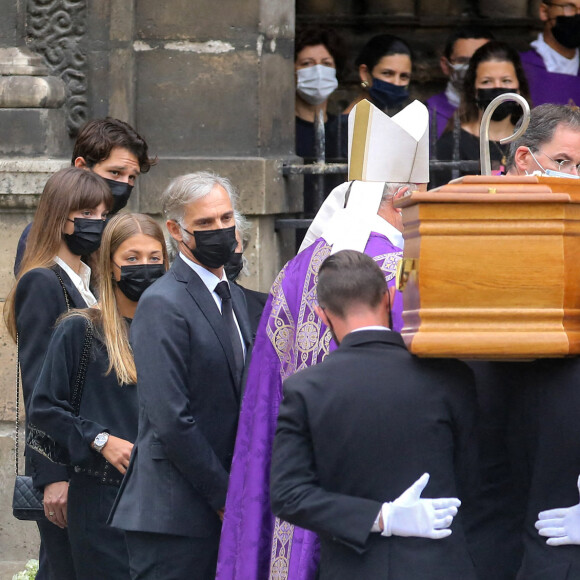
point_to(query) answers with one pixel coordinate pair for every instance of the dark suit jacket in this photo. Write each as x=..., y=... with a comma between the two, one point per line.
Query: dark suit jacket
x=548, y=400
x=256, y=302
x=39, y=301
x=359, y=429
x=188, y=408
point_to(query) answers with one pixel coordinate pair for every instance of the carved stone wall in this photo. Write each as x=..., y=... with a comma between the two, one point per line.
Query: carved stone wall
x=56, y=30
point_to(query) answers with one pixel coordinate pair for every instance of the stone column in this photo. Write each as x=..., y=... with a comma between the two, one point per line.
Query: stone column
x=32, y=141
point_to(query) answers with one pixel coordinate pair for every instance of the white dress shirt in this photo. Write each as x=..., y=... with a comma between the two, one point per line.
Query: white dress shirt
x=80, y=280
x=210, y=281
x=554, y=61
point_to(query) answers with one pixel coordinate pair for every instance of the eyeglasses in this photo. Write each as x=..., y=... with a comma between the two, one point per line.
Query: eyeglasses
x=565, y=165
x=569, y=8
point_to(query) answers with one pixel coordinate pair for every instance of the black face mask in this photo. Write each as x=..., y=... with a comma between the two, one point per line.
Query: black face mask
x=234, y=266
x=135, y=279
x=483, y=97
x=121, y=193
x=86, y=238
x=213, y=248
x=567, y=31
x=387, y=95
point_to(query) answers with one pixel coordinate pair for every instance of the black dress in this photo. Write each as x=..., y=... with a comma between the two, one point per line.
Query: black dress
x=38, y=302
x=99, y=551
x=336, y=137
x=468, y=151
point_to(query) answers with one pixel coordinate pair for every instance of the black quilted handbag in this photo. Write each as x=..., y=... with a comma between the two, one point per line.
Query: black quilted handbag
x=27, y=500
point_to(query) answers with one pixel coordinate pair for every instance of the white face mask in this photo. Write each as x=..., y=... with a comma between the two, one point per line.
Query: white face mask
x=457, y=74
x=316, y=83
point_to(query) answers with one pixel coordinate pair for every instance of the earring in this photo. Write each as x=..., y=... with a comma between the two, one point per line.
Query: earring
x=364, y=85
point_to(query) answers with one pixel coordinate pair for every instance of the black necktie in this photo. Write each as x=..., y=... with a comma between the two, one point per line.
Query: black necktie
x=223, y=291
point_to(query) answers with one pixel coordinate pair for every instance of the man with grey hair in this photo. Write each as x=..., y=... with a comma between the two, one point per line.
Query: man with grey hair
x=190, y=337
x=551, y=143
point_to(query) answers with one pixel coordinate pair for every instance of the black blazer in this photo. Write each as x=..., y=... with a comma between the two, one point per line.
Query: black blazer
x=188, y=408
x=547, y=403
x=39, y=301
x=256, y=302
x=359, y=429
x=105, y=405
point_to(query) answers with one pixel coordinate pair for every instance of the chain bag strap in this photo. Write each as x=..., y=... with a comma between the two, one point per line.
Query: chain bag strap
x=26, y=499
x=40, y=441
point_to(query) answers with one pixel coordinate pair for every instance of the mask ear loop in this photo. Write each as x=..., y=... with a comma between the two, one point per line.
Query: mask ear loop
x=534, y=157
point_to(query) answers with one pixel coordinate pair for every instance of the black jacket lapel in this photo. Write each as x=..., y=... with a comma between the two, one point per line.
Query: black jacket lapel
x=203, y=298
x=74, y=296
x=241, y=311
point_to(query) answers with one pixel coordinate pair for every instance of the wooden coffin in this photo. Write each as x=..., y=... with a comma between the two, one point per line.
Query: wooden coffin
x=491, y=268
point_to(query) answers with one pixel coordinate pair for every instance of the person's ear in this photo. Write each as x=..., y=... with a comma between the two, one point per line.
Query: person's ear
x=444, y=64
x=321, y=314
x=522, y=160
x=544, y=12
x=174, y=230
x=365, y=76
x=81, y=163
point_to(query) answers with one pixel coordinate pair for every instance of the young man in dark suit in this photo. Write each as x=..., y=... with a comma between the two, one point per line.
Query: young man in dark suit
x=355, y=431
x=190, y=337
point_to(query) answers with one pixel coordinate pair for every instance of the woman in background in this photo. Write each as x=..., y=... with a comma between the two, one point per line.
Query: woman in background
x=319, y=55
x=385, y=65
x=494, y=69
x=100, y=438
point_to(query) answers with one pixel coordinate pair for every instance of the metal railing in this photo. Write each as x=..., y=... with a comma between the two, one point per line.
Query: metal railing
x=320, y=167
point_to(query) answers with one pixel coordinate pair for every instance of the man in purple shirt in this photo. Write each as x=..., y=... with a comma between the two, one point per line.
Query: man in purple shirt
x=552, y=65
x=459, y=48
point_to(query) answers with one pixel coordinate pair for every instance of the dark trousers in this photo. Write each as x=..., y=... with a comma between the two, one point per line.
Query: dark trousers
x=169, y=557
x=55, y=553
x=99, y=551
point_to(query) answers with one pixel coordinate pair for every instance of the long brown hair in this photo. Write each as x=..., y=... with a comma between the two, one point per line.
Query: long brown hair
x=66, y=191
x=115, y=335
x=491, y=51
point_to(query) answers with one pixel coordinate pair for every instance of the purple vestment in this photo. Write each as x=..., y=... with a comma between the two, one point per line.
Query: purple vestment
x=444, y=109
x=547, y=87
x=255, y=545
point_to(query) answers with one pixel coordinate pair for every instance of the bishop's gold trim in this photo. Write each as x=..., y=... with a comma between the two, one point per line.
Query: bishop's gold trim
x=360, y=140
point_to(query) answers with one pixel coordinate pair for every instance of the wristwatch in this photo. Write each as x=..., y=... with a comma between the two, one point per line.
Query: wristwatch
x=100, y=441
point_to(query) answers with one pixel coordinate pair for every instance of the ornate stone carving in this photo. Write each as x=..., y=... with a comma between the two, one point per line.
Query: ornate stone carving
x=56, y=30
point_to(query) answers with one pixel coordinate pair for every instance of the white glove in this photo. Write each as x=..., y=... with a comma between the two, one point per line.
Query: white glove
x=561, y=525
x=409, y=515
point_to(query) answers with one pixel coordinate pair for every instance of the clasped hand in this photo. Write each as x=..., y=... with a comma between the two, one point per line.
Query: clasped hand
x=411, y=515
x=561, y=525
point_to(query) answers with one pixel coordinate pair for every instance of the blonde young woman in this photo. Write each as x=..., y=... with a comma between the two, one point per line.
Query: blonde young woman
x=99, y=439
x=68, y=224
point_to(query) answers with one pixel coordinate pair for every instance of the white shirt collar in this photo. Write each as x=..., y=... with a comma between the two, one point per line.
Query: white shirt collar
x=80, y=280
x=208, y=278
x=382, y=226
x=370, y=328
x=554, y=61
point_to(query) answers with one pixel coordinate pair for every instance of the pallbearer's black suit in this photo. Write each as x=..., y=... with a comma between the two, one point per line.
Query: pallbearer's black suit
x=357, y=430
x=188, y=410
